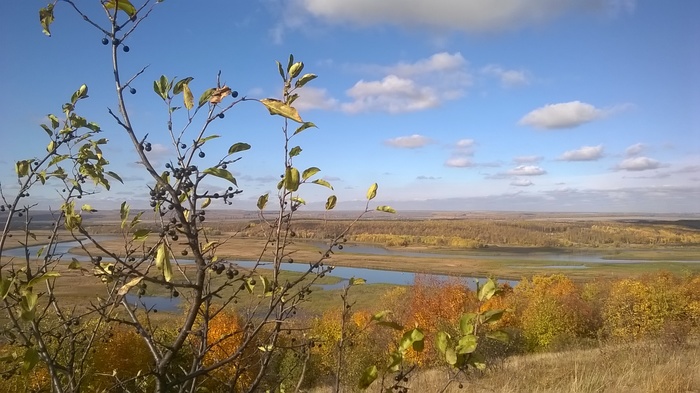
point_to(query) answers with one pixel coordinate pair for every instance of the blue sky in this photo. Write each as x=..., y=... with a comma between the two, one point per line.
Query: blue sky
x=535, y=105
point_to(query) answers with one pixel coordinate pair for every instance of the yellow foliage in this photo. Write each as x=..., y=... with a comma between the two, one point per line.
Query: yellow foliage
x=639, y=307
x=122, y=352
x=551, y=309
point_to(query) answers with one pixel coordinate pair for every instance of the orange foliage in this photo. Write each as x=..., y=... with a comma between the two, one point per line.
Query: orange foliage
x=225, y=336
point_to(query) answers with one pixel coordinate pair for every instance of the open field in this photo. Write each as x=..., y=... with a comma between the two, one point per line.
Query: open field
x=584, y=321
x=647, y=367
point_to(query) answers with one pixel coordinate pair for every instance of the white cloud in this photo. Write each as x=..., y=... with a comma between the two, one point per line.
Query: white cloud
x=409, y=142
x=521, y=183
x=428, y=177
x=465, y=143
x=439, y=62
x=314, y=98
x=635, y=149
x=508, y=78
x=409, y=87
x=463, y=15
x=459, y=162
x=526, y=170
x=392, y=94
x=585, y=153
x=635, y=164
x=563, y=115
x=527, y=159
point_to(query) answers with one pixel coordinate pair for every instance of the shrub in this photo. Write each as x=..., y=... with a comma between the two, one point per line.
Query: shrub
x=642, y=307
x=551, y=310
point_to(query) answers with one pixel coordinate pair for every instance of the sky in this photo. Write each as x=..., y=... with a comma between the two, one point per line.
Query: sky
x=516, y=105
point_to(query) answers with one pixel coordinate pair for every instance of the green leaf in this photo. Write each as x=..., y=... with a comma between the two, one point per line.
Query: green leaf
x=141, y=234
x=161, y=87
x=294, y=151
x=390, y=324
x=304, y=126
x=412, y=338
x=46, y=18
x=380, y=315
x=54, y=121
x=290, y=62
x=386, y=209
x=466, y=323
x=277, y=107
x=74, y=265
x=204, y=98
x=441, y=341
x=22, y=167
x=450, y=356
x=46, y=276
x=46, y=128
x=395, y=363
x=267, y=288
x=238, y=147
x=249, y=285
x=299, y=200
x=78, y=95
x=491, y=316
x=124, y=5
x=87, y=208
x=222, y=173
x=178, y=86
x=356, y=281
x=306, y=78
x=208, y=138
x=310, y=172
x=163, y=262
x=477, y=361
x=262, y=201
x=296, y=69
x=330, y=202
x=281, y=70
x=368, y=376
x=487, y=291
x=31, y=358
x=206, y=203
x=372, y=192
x=5, y=284
x=291, y=179
x=136, y=219
x=126, y=287
x=467, y=344
x=58, y=159
x=499, y=335
x=124, y=213
x=322, y=182
x=28, y=304
x=115, y=176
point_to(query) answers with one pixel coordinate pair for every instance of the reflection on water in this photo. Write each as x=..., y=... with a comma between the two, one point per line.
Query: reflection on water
x=167, y=304
x=373, y=276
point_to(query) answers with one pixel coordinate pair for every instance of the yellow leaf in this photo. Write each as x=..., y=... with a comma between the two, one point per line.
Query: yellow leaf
x=277, y=107
x=163, y=262
x=124, y=5
x=188, y=97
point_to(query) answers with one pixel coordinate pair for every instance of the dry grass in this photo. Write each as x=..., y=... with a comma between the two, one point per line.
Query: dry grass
x=637, y=367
